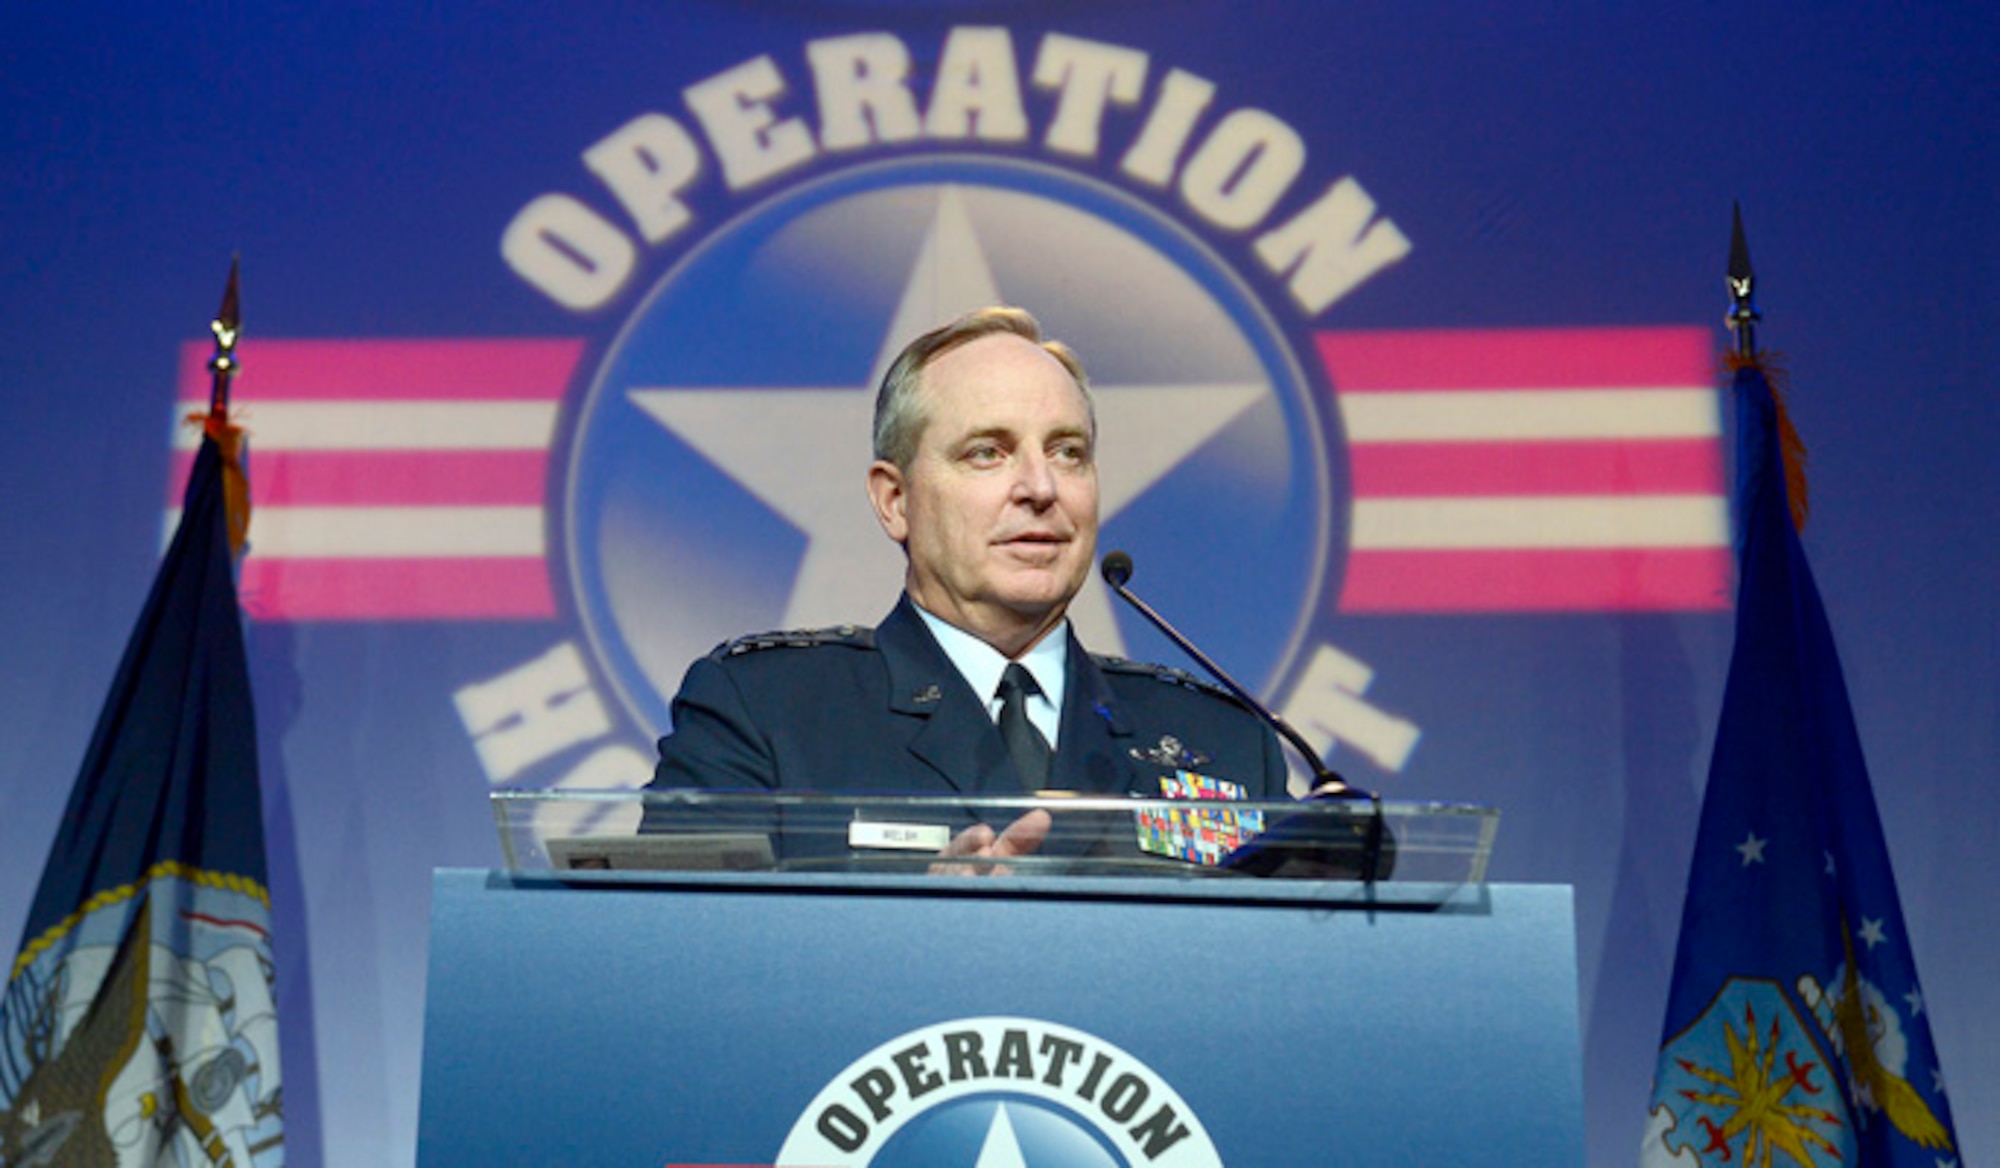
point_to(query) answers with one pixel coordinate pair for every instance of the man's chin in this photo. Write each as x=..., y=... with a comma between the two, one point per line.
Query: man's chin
x=1042, y=593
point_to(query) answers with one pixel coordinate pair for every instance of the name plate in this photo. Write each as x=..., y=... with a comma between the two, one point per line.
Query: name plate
x=898, y=837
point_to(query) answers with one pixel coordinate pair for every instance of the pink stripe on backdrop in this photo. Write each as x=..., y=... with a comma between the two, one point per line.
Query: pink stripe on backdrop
x=389, y=478
x=404, y=589
x=413, y=370
x=1409, y=470
x=1645, y=579
x=1580, y=358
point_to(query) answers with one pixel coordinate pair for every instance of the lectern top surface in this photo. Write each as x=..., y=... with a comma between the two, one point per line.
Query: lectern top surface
x=1028, y=835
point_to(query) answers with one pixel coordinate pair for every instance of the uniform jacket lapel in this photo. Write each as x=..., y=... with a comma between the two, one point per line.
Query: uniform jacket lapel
x=1091, y=750
x=958, y=740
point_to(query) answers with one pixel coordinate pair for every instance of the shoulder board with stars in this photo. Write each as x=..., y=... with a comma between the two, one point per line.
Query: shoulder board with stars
x=848, y=636
x=1163, y=673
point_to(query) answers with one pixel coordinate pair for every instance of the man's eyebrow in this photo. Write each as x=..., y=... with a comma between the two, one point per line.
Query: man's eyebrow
x=1008, y=434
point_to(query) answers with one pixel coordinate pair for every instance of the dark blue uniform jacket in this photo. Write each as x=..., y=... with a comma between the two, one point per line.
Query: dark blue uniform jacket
x=884, y=711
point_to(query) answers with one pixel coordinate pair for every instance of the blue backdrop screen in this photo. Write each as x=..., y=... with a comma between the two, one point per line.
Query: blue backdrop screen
x=560, y=336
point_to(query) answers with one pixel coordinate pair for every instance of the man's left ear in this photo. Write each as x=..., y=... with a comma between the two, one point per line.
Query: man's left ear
x=886, y=495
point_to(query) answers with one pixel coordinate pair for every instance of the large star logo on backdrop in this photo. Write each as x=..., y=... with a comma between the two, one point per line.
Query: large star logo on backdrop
x=793, y=446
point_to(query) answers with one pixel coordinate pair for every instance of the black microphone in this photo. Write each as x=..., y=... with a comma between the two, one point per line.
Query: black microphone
x=1327, y=783
x=1117, y=568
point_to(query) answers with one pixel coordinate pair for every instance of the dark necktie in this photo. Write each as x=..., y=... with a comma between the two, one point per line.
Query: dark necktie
x=1029, y=749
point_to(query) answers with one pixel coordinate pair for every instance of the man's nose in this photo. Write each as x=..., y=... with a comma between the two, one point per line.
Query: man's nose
x=1035, y=479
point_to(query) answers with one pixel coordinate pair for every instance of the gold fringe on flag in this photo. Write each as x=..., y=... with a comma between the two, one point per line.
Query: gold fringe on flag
x=1791, y=448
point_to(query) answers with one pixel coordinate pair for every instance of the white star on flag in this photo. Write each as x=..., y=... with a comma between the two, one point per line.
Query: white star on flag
x=802, y=450
x=1752, y=849
x=1871, y=932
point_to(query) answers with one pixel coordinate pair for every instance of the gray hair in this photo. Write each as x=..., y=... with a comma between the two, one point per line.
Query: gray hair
x=900, y=416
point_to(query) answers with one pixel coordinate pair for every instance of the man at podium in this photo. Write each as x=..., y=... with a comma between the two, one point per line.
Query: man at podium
x=984, y=472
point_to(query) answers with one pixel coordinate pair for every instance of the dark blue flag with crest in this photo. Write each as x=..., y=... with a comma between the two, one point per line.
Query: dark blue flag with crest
x=1796, y=1031
x=137, y=1026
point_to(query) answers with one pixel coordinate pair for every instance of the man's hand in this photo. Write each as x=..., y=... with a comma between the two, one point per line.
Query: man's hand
x=1020, y=838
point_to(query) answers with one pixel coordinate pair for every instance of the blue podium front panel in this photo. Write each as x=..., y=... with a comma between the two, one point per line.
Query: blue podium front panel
x=816, y=1021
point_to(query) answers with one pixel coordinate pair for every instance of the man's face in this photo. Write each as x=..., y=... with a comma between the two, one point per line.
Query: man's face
x=998, y=509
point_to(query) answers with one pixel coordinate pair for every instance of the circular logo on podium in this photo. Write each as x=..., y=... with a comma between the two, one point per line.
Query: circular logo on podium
x=998, y=1093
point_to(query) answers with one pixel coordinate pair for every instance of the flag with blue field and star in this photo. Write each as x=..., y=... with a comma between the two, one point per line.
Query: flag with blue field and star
x=1796, y=1031
x=137, y=1026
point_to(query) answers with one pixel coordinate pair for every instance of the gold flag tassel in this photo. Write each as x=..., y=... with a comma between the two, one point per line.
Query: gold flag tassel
x=229, y=440
x=1791, y=448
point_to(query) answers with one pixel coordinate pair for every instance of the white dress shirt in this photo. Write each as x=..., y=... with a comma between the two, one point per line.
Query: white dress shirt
x=981, y=665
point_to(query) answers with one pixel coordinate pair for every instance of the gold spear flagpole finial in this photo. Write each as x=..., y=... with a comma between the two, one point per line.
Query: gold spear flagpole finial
x=222, y=368
x=228, y=323
x=1743, y=315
